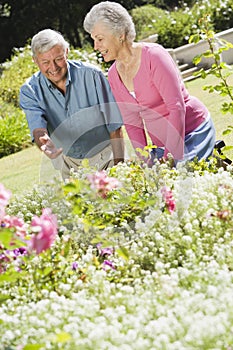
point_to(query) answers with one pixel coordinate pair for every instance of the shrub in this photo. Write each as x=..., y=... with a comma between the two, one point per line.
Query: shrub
x=14, y=73
x=219, y=11
x=173, y=28
x=14, y=133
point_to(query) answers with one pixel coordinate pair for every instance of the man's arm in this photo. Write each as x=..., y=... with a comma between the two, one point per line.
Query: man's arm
x=117, y=143
x=45, y=144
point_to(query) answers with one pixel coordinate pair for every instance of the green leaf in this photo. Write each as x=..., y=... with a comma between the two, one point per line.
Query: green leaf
x=123, y=253
x=3, y=298
x=6, y=277
x=227, y=131
x=63, y=337
x=227, y=148
x=195, y=38
x=8, y=239
x=197, y=60
x=33, y=346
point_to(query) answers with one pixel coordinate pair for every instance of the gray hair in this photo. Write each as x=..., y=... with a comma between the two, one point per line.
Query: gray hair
x=113, y=15
x=44, y=40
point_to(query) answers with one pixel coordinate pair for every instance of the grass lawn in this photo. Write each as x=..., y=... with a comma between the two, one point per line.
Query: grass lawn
x=213, y=102
x=20, y=171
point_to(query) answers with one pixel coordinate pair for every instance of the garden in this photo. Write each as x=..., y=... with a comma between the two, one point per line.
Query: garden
x=131, y=258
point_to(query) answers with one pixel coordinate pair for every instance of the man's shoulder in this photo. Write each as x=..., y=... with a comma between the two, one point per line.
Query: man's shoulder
x=32, y=80
x=83, y=66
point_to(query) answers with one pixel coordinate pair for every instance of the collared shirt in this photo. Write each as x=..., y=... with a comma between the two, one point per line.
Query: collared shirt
x=81, y=120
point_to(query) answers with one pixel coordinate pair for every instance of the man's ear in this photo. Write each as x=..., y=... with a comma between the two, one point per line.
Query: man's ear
x=34, y=59
x=67, y=52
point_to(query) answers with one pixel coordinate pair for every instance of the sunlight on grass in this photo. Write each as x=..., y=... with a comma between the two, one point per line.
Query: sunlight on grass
x=20, y=171
x=213, y=101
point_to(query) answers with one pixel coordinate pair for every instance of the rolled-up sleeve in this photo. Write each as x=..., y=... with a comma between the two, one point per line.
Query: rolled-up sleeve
x=31, y=107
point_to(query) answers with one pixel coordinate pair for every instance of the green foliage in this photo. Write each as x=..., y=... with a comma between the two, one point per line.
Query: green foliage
x=172, y=27
x=14, y=133
x=218, y=68
x=14, y=74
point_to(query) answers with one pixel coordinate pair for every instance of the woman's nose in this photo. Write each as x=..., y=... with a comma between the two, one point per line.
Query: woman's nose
x=96, y=46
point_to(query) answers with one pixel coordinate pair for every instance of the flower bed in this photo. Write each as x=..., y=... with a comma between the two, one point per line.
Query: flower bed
x=135, y=258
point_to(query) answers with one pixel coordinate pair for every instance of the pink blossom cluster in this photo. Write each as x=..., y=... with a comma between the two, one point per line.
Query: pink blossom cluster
x=4, y=199
x=17, y=223
x=44, y=229
x=168, y=198
x=102, y=183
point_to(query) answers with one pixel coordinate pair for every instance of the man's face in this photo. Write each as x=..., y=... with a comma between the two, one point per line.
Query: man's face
x=53, y=64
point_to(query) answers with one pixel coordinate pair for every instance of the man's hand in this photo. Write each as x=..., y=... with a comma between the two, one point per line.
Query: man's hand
x=48, y=147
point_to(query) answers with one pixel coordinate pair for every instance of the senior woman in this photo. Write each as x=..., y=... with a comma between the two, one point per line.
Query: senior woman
x=148, y=88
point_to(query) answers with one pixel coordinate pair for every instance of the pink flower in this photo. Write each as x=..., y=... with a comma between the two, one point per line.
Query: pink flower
x=107, y=264
x=104, y=251
x=45, y=228
x=168, y=198
x=4, y=198
x=17, y=223
x=102, y=183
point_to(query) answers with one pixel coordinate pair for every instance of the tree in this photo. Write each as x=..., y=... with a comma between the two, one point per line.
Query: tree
x=21, y=19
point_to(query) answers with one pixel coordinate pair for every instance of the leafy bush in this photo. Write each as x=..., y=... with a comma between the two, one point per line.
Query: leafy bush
x=14, y=74
x=14, y=133
x=173, y=28
x=220, y=13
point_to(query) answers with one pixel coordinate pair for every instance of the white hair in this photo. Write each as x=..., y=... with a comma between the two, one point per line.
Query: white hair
x=44, y=40
x=114, y=16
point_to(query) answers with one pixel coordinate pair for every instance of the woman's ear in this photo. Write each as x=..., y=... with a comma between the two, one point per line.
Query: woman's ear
x=122, y=38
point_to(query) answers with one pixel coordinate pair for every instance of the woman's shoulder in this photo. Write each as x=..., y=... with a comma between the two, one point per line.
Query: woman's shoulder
x=154, y=54
x=152, y=48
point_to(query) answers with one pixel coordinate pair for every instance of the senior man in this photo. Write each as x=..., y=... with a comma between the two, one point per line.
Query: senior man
x=70, y=109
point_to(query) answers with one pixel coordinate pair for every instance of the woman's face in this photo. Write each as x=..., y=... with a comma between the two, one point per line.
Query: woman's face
x=106, y=42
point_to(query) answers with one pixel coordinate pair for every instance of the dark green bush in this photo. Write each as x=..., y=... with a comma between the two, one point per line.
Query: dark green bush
x=220, y=13
x=173, y=28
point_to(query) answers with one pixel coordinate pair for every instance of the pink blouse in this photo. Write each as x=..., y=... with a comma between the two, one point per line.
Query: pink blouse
x=162, y=106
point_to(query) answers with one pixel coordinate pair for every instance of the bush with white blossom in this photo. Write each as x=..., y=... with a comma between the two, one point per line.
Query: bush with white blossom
x=139, y=258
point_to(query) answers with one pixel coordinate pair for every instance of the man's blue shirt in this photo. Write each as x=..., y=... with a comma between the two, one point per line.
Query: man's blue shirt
x=81, y=121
